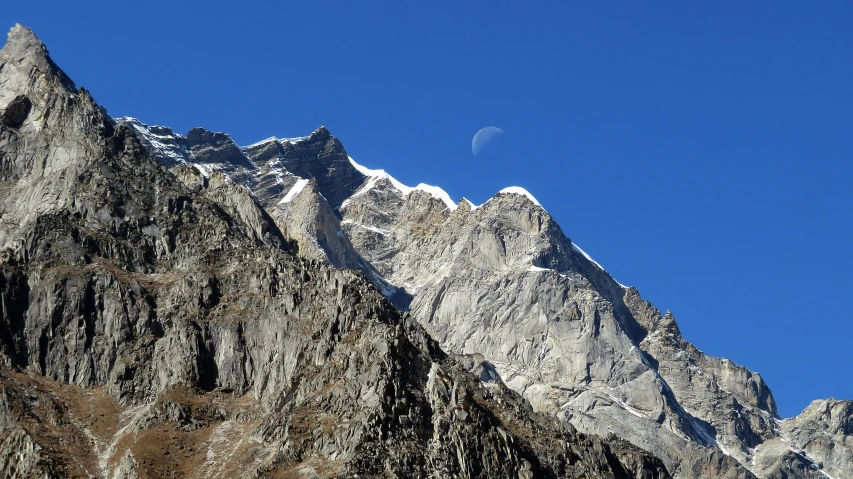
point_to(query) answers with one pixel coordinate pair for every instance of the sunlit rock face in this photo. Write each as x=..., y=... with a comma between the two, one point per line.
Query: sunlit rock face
x=201, y=295
x=156, y=322
x=502, y=280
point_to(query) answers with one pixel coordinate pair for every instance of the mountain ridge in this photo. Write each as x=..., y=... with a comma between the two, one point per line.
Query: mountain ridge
x=156, y=323
x=654, y=323
x=656, y=332
x=480, y=280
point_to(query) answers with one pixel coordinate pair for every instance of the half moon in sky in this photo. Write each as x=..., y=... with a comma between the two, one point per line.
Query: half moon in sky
x=483, y=138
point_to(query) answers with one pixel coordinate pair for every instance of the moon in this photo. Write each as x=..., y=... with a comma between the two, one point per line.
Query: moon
x=484, y=137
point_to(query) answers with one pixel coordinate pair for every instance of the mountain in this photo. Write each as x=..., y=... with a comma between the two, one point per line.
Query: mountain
x=267, y=170
x=189, y=307
x=503, y=281
x=157, y=323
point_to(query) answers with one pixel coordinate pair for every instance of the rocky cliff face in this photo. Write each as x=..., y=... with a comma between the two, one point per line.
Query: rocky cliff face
x=821, y=437
x=305, y=215
x=503, y=281
x=156, y=322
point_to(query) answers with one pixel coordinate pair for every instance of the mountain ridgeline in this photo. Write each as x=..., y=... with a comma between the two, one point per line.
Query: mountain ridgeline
x=180, y=306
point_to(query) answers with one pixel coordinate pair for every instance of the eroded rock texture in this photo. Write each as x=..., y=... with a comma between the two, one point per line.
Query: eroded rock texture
x=157, y=323
x=502, y=281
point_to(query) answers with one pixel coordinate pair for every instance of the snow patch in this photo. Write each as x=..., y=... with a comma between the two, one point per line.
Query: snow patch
x=295, y=190
x=275, y=139
x=470, y=205
x=589, y=258
x=439, y=193
x=386, y=288
x=204, y=171
x=272, y=138
x=369, y=228
x=812, y=460
x=709, y=438
x=375, y=175
x=293, y=140
x=537, y=269
x=277, y=172
x=157, y=145
x=520, y=191
x=625, y=406
x=824, y=473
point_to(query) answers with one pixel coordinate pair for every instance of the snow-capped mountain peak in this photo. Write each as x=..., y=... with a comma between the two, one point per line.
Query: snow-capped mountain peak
x=374, y=175
x=517, y=190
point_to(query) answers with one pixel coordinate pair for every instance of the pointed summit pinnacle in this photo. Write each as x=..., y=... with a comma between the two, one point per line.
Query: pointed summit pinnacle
x=19, y=34
x=23, y=44
x=24, y=49
x=321, y=134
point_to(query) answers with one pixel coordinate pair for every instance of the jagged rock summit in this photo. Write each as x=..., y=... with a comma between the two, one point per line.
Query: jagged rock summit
x=156, y=322
x=179, y=305
x=502, y=280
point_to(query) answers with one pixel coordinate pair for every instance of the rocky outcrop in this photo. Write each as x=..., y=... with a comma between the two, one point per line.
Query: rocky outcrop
x=16, y=111
x=305, y=215
x=156, y=323
x=160, y=270
x=307, y=218
x=821, y=437
x=501, y=280
x=319, y=156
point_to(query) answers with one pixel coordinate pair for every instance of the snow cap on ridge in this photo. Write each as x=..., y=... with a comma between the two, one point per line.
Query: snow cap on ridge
x=375, y=175
x=471, y=206
x=517, y=190
x=379, y=174
x=437, y=192
x=259, y=143
x=276, y=140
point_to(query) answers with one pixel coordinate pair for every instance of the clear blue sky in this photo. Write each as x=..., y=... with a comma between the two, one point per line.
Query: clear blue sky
x=702, y=151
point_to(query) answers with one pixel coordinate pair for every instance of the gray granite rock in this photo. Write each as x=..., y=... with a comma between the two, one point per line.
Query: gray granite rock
x=502, y=280
x=319, y=156
x=184, y=279
x=157, y=323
